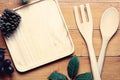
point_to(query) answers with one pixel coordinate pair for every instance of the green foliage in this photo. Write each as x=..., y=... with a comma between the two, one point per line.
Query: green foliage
x=73, y=67
x=24, y=1
x=72, y=70
x=57, y=76
x=85, y=76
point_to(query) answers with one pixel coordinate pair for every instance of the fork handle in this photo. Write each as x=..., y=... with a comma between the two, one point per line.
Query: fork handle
x=94, y=64
x=102, y=55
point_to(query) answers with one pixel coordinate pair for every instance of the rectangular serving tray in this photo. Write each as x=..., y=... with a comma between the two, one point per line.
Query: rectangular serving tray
x=42, y=36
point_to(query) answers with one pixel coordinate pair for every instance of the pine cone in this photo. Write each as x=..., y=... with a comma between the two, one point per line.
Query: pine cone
x=9, y=21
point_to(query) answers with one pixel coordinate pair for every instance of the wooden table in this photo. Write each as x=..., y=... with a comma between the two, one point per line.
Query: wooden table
x=111, y=70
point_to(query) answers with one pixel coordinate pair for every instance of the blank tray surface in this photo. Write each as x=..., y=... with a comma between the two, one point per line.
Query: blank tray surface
x=41, y=37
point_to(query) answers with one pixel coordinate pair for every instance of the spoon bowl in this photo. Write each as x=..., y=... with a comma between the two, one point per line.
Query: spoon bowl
x=108, y=26
x=109, y=22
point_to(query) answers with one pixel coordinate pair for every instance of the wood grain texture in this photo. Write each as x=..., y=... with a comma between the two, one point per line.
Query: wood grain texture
x=80, y=45
x=89, y=1
x=96, y=8
x=111, y=69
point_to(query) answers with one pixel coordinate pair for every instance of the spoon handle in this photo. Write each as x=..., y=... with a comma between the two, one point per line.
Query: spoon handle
x=102, y=55
x=94, y=64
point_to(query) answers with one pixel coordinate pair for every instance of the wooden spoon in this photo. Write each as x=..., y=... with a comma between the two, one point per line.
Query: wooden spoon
x=108, y=26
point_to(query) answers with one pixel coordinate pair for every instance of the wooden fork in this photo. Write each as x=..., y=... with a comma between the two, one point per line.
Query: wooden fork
x=86, y=29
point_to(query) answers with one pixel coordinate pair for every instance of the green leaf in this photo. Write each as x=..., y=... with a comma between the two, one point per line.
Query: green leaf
x=25, y=1
x=73, y=67
x=85, y=76
x=57, y=76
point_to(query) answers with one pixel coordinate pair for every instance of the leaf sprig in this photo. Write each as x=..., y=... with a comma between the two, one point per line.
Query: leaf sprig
x=25, y=1
x=72, y=69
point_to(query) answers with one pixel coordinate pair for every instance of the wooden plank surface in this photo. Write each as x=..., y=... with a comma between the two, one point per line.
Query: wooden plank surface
x=111, y=69
x=96, y=8
x=80, y=46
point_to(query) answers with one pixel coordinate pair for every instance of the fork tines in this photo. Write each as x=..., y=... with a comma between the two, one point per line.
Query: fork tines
x=84, y=10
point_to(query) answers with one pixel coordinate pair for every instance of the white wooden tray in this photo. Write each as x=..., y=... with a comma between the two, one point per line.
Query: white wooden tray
x=42, y=36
